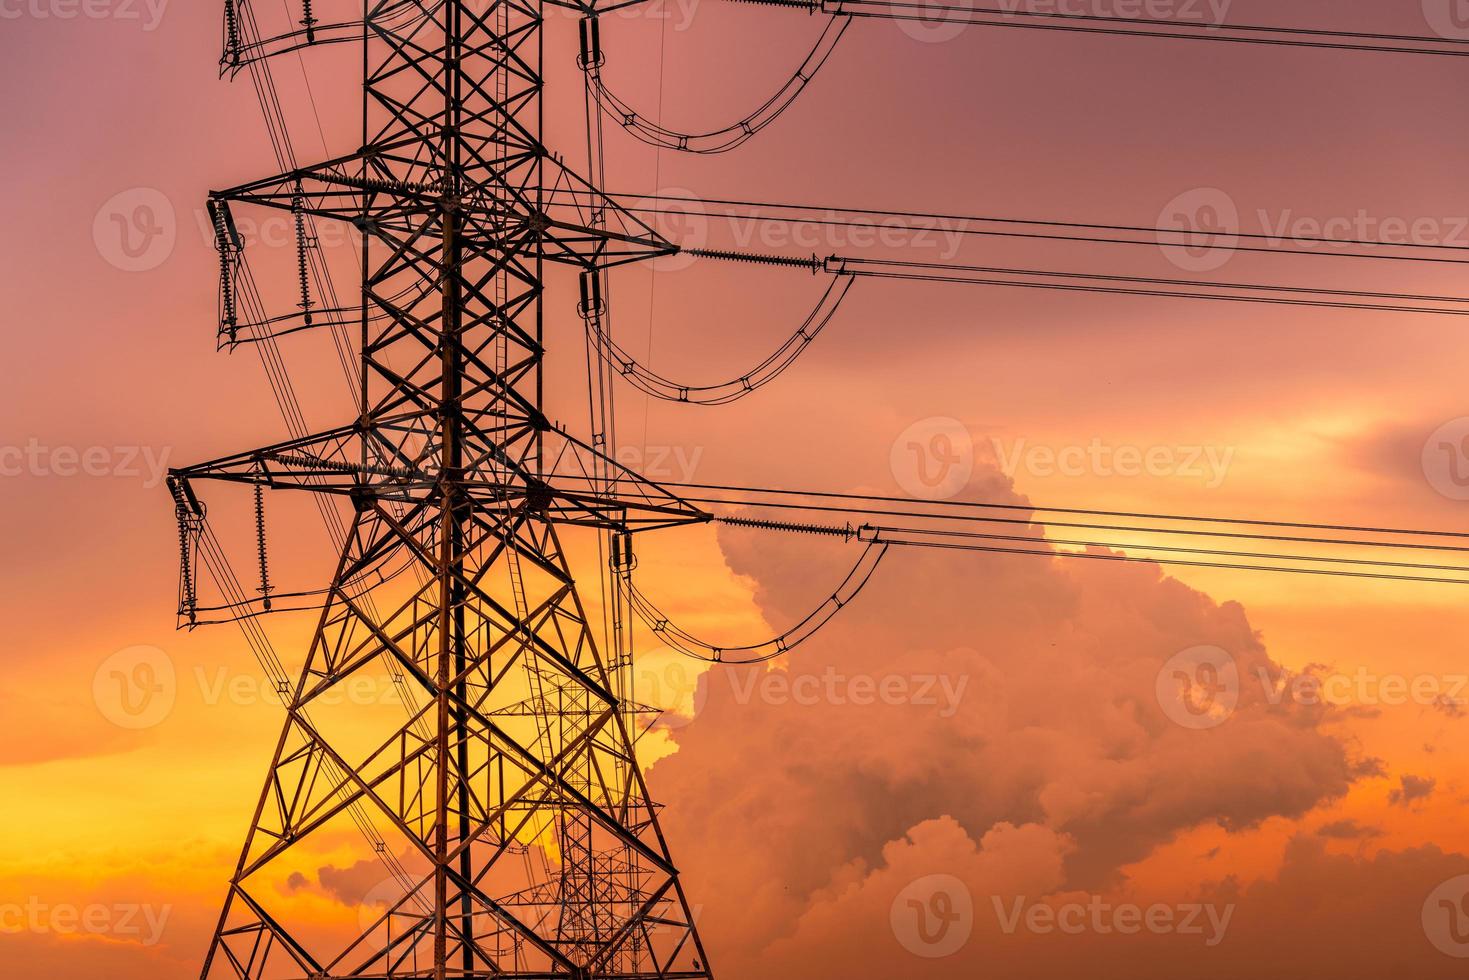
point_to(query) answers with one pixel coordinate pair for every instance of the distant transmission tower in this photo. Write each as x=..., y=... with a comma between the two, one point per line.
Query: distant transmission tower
x=514, y=787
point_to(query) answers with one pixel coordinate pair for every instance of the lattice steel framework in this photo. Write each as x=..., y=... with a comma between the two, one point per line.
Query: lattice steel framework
x=523, y=743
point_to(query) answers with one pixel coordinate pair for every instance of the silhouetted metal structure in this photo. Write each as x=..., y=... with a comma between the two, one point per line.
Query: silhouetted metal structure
x=524, y=744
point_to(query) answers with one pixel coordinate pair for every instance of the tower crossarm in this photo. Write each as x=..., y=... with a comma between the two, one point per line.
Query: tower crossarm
x=357, y=462
x=579, y=226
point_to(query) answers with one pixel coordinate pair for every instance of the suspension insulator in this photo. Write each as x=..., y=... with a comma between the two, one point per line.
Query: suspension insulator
x=265, y=588
x=188, y=598
x=591, y=57
x=622, y=559
x=303, y=267
x=308, y=21
x=591, y=294
x=231, y=34
x=227, y=242
x=228, y=317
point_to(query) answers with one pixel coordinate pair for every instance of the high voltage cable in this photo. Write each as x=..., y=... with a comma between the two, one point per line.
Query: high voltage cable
x=1230, y=566
x=1140, y=551
x=957, y=225
x=899, y=268
x=771, y=367
x=1145, y=27
x=948, y=526
x=1075, y=511
x=765, y=650
x=1103, y=284
x=737, y=133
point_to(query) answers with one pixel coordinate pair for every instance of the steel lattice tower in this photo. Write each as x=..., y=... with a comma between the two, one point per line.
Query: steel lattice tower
x=525, y=738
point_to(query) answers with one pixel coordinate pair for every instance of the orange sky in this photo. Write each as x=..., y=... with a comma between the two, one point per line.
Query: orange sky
x=1056, y=776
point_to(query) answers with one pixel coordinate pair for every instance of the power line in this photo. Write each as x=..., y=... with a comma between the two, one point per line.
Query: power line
x=1120, y=285
x=1370, y=552
x=1212, y=239
x=728, y=137
x=915, y=10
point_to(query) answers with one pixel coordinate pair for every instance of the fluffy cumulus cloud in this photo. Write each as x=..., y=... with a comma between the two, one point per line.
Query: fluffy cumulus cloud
x=1012, y=722
x=1321, y=915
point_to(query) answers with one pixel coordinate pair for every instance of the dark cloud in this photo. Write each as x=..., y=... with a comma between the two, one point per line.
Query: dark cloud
x=1347, y=830
x=1453, y=707
x=1412, y=789
x=350, y=885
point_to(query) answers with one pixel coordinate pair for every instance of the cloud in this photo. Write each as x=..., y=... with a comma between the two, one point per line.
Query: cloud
x=1452, y=707
x=1320, y=915
x=1412, y=789
x=349, y=885
x=1347, y=830
x=1060, y=728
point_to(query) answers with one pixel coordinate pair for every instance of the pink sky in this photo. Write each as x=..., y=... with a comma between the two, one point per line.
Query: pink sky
x=1054, y=776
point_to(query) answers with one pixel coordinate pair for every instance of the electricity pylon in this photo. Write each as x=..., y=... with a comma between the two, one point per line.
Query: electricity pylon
x=514, y=789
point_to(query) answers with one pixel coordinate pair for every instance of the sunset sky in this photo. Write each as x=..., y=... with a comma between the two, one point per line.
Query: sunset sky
x=1025, y=756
